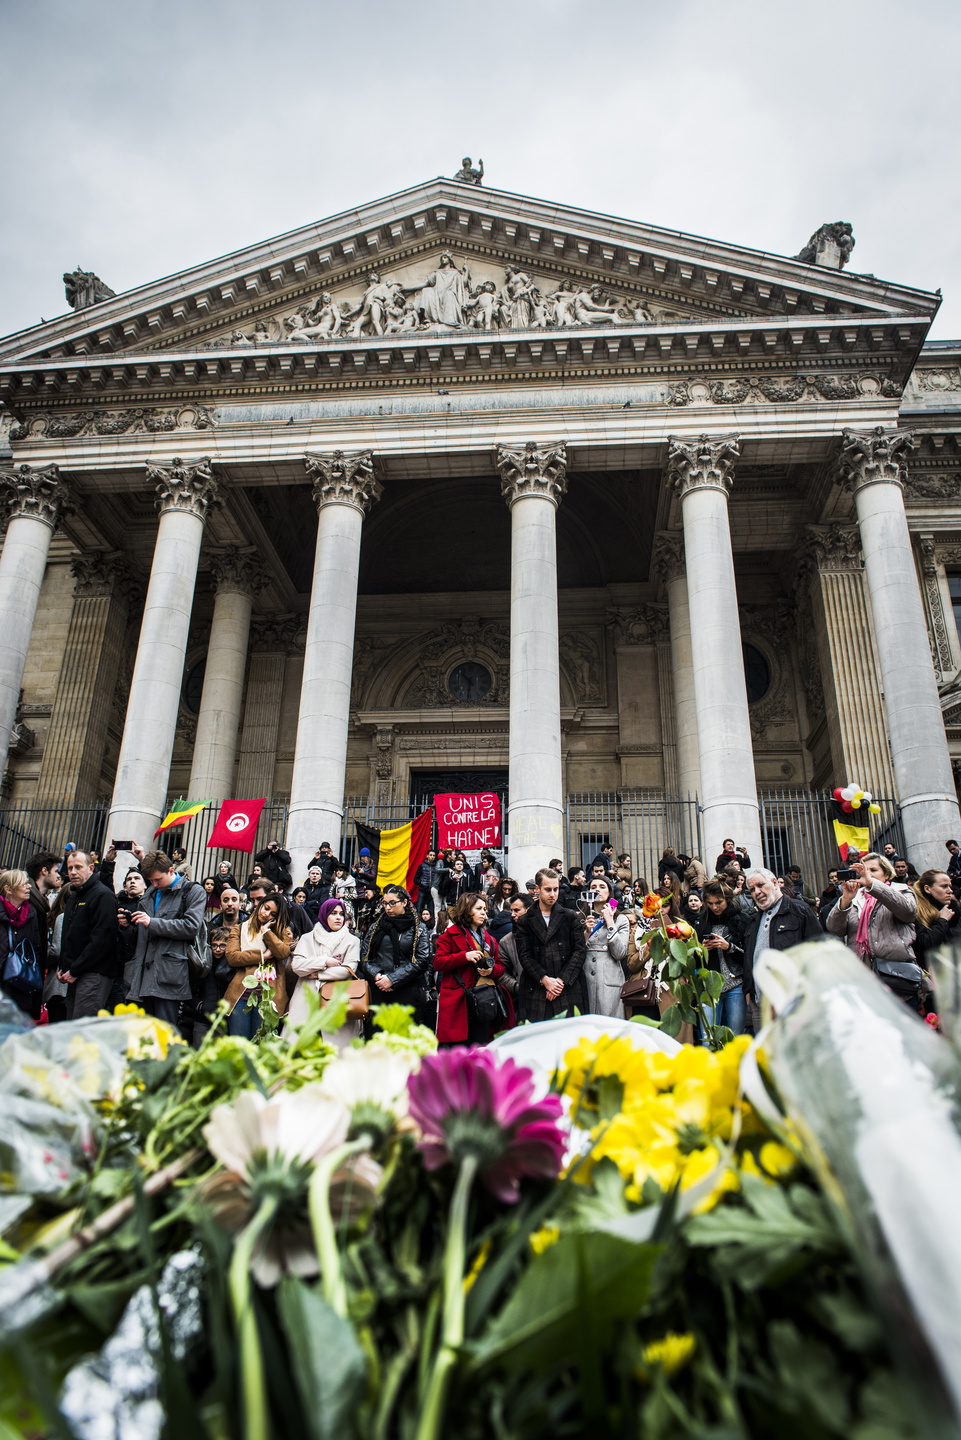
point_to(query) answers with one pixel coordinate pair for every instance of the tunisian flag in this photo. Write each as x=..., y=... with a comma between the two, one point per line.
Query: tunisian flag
x=236, y=825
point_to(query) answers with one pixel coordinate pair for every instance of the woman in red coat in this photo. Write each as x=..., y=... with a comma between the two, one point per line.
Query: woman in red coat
x=467, y=956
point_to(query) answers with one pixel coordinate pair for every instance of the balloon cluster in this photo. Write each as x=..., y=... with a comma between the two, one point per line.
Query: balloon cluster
x=851, y=797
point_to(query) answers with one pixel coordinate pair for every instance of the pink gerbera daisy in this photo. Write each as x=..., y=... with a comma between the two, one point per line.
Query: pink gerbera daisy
x=467, y=1103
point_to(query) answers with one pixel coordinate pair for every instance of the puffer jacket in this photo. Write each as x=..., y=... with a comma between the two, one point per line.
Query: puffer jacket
x=891, y=926
x=408, y=977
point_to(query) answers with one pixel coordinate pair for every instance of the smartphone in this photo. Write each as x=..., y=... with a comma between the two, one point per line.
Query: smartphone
x=122, y=845
x=848, y=875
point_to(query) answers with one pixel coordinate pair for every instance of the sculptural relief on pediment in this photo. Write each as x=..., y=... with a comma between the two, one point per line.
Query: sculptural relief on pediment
x=451, y=294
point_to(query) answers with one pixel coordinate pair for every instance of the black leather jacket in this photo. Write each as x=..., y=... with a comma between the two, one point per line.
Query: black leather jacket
x=377, y=958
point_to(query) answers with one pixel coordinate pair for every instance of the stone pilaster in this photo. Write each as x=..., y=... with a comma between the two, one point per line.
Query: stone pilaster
x=344, y=488
x=35, y=500
x=104, y=595
x=871, y=465
x=185, y=496
x=669, y=564
x=238, y=574
x=941, y=630
x=533, y=481
x=701, y=472
x=273, y=639
x=831, y=566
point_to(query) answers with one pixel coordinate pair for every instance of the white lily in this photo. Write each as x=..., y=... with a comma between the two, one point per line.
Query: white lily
x=299, y=1126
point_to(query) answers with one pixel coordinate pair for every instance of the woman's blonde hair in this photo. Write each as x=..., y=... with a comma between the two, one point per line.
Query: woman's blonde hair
x=882, y=860
x=12, y=880
x=928, y=911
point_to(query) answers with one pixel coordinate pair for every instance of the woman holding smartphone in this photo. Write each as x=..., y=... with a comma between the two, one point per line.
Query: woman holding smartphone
x=723, y=938
x=608, y=935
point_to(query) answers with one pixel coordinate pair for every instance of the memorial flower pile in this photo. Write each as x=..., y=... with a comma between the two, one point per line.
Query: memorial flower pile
x=253, y=1240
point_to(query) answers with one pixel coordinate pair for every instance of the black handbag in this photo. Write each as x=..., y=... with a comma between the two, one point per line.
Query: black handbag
x=487, y=1004
x=21, y=970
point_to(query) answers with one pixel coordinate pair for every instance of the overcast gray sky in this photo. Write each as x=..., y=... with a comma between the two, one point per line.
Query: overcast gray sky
x=144, y=136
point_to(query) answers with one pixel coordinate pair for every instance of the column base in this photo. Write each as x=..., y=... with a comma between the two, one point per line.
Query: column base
x=929, y=821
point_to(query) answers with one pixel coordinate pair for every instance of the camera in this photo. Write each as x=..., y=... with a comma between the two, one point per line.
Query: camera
x=848, y=875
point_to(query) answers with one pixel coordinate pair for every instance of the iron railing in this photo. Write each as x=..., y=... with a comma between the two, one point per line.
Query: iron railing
x=639, y=823
x=27, y=828
x=796, y=829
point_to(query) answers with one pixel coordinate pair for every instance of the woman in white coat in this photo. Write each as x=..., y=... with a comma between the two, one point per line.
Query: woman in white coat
x=608, y=935
x=328, y=952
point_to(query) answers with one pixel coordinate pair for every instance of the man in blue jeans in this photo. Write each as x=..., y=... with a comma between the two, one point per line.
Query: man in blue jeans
x=170, y=921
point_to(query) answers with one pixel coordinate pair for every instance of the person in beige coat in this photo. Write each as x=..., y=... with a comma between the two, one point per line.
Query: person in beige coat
x=263, y=941
x=328, y=952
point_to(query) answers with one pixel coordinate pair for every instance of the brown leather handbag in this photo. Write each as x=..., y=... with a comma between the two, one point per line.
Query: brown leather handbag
x=358, y=996
x=640, y=990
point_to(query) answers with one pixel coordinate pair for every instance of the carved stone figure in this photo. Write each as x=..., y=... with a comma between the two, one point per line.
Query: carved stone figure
x=581, y=660
x=517, y=297
x=376, y=306
x=830, y=246
x=591, y=308
x=483, y=310
x=563, y=302
x=83, y=288
x=446, y=294
x=469, y=176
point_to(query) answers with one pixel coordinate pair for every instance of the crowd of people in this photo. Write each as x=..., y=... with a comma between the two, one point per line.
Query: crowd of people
x=478, y=953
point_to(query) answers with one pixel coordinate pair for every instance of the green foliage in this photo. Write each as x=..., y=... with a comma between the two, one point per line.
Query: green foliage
x=328, y=1363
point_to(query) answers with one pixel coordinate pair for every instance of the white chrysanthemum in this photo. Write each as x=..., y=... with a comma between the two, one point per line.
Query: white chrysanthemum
x=369, y=1077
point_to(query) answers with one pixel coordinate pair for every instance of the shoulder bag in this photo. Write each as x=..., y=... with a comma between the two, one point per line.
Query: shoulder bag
x=21, y=969
x=358, y=996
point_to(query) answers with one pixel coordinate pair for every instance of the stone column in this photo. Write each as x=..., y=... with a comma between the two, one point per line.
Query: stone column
x=853, y=707
x=274, y=638
x=871, y=466
x=700, y=471
x=668, y=560
x=73, y=753
x=532, y=483
x=345, y=486
x=237, y=573
x=35, y=501
x=185, y=495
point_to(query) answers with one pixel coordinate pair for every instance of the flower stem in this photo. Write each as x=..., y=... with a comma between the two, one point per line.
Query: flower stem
x=322, y=1223
x=256, y=1422
x=452, y=1330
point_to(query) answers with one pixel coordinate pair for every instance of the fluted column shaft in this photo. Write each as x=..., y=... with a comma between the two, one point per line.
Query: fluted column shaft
x=35, y=501
x=185, y=495
x=701, y=473
x=218, y=723
x=871, y=465
x=669, y=558
x=344, y=488
x=532, y=483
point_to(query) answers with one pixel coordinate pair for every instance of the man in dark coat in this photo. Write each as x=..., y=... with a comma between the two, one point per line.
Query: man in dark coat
x=45, y=880
x=551, y=946
x=780, y=923
x=88, y=947
x=275, y=864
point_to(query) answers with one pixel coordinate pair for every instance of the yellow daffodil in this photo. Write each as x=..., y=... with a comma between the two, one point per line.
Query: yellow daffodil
x=670, y=1354
x=480, y=1260
x=777, y=1159
x=542, y=1239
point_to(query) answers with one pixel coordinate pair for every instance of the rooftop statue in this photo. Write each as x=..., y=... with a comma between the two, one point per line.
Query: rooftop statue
x=84, y=288
x=830, y=246
x=467, y=175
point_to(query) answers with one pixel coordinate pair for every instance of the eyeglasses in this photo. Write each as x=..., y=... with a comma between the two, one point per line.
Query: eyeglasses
x=393, y=902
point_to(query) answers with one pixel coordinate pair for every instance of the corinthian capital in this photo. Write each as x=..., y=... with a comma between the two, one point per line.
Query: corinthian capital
x=702, y=464
x=535, y=470
x=341, y=479
x=831, y=547
x=185, y=487
x=873, y=457
x=240, y=571
x=100, y=573
x=35, y=494
x=667, y=556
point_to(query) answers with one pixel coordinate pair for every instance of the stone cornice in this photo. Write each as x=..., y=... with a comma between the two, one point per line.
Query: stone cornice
x=519, y=227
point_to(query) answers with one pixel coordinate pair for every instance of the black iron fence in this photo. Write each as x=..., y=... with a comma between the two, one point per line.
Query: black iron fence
x=795, y=826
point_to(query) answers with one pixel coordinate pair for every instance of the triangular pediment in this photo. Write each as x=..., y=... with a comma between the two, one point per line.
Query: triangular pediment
x=577, y=270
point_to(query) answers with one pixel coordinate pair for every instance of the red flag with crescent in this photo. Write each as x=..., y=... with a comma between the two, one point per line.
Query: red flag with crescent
x=236, y=826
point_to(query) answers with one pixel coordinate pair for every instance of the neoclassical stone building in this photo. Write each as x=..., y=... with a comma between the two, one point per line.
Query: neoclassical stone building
x=464, y=485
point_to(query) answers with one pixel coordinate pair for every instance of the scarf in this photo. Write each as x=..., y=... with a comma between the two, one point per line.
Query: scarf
x=324, y=913
x=861, y=943
x=16, y=915
x=398, y=925
x=249, y=941
x=327, y=948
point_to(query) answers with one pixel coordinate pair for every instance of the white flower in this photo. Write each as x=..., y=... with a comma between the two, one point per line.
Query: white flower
x=370, y=1076
x=299, y=1125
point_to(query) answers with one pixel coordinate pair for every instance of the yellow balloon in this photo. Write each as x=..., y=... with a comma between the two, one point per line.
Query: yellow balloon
x=855, y=804
x=874, y=809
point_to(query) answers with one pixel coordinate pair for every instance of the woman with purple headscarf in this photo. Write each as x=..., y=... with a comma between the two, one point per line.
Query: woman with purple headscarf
x=328, y=952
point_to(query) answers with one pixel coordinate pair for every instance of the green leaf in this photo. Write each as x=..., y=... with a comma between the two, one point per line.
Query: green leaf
x=672, y=1022
x=675, y=969
x=678, y=951
x=712, y=983
x=657, y=943
x=752, y=1243
x=326, y=1359
x=583, y=1283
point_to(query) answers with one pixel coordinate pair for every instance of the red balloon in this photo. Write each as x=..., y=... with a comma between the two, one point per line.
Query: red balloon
x=847, y=807
x=837, y=792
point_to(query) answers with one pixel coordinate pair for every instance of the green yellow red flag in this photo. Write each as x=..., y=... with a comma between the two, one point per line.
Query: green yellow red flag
x=180, y=811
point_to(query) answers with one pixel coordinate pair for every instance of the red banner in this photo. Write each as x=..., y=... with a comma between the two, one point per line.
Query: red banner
x=468, y=822
x=236, y=826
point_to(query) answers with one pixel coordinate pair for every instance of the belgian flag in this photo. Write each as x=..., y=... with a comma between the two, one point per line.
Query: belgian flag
x=396, y=854
x=850, y=831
